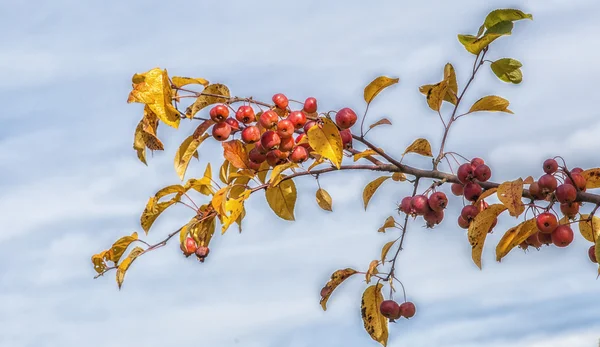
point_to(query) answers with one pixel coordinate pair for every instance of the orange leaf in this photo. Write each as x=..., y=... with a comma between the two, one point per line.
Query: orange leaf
x=235, y=153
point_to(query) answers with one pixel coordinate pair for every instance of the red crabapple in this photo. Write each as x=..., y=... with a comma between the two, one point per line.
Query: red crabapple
x=438, y=201
x=562, y=236
x=221, y=131
x=245, y=114
x=550, y=166
x=268, y=119
x=219, y=113
x=465, y=173
x=251, y=134
x=298, y=119
x=280, y=100
x=345, y=118
x=546, y=222
x=310, y=105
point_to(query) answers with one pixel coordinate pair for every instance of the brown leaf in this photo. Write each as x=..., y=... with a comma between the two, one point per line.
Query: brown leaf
x=389, y=223
x=374, y=322
x=324, y=199
x=235, y=152
x=380, y=122
x=510, y=194
x=336, y=279
x=478, y=230
x=420, y=146
x=398, y=177
x=372, y=270
x=371, y=188
x=436, y=95
x=386, y=249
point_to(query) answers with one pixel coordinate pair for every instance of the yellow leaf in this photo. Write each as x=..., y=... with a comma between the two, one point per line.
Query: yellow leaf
x=124, y=266
x=436, y=94
x=364, y=154
x=202, y=186
x=212, y=94
x=450, y=76
x=224, y=171
x=590, y=230
x=149, y=125
x=262, y=171
x=420, y=146
x=592, y=177
x=374, y=322
x=319, y=160
x=514, y=237
x=185, y=152
x=98, y=261
x=372, y=270
x=183, y=81
x=484, y=195
x=507, y=14
x=155, y=91
x=239, y=187
x=185, y=230
x=377, y=85
x=398, y=177
x=386, y=249
x=510, y=194
x=278, y=170
x=119, y=247
x=234, y=207
x=336, y=279
x=152, y=211
x=380, y=122
x=371, y=188
x=282, y=199
x=508, y=70
x=491, y=103
x=202, y=232
x=324, y=199
x=475, y=45
x=478, y=230
x=389, y=223
x=235, y=152
x=168, y=190
x=327, y=142
x=528, y=180
x=219, y=199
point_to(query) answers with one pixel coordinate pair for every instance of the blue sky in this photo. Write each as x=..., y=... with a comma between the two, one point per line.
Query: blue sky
x=71, y=184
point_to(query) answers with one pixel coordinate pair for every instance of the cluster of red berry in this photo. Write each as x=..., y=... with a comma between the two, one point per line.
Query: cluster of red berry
x=431, y=208
x=272, y=131
x=391, y=310
x=191, y=247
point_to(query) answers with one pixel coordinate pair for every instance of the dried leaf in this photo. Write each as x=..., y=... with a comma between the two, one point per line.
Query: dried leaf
x=380, y=122
x=436, y=94
x=154, y=90
x=282, y=199
x=184, y=81
x=478, y=230
x=202, y=127
x=235, y=152
x=510, y=194
x=390, y=222
x=592, y=177
x=371, y=188
x=364, y=154
x=420, y=146
x=386, y=249
x=324, y=199
x=204, y=100
x=528, y=180
x=590, y=230
x=377, y=85
x=336, y=279
x=372, y=270
x=185, y=152
x=374, y=322
x=514, y=237
x=327, y=142
x=491, y=103
x=398, y=177
x=126, y=263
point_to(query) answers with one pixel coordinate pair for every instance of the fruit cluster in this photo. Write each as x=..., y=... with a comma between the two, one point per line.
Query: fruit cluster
x=191, y=247
x=272, y=131
x=431, y=208
x=391, y=310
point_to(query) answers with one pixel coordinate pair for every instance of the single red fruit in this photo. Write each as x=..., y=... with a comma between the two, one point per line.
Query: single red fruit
x=546, y=222
x=346, y=136
x=550, y=166
x=253, y=165
x=576, y=170
x=472, y=191
x=433, y=217
x=251, y=134
x=463, y=223
x=285, y=128
x=547, y=183
x=438, y=201
x=325, y=291
x=270, y=140
x=308, y=125
x=221, y=131
x=245, y=114
x=299, y=154
x=408, y=309
x=592, y=254
x=260, y=148
x=465, y=173
x=457, y=189
x=565, y=193
x=219, y=113
x=202, y=253
x=570, y=210
x=562, y=236
x=420, y=204
x=536, y=191
x=268, y=119
x=469, y=212
x=276, y=157
x=310, y=105
x=190, y=246
x=475, y=162
x=280, y=100
x=390, y=309
x=405, y=205
x=580, y=181
x=233, y=123
x=545, y=239
x=298, y=119
x=287, y=144
x=256, y=156
x=345, y=118
x=534, y=240
x=482, y=173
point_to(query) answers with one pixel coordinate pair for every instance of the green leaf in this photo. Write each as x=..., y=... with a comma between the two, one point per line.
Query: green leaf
x=508, y=70
x=491, y=103
x=502, y=15
x=475, y=45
